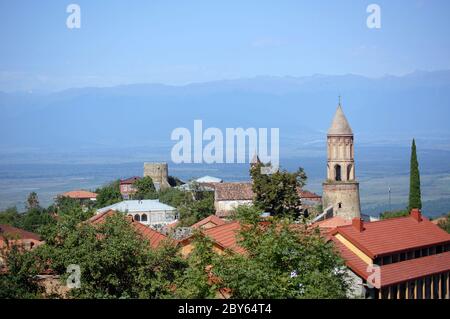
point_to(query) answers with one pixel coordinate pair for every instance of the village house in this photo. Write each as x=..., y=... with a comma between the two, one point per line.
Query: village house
x=127, y=189
x=208, y=222
x=228, y=196
x=154, y=238
x=13, y=236
x=84, y=197
x=149, y=212
x=222, y=236
x=412, y=253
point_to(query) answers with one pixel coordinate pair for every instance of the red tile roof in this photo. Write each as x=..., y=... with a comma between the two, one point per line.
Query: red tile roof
x=130, y=180
x=307, y=194
x=394, y=235
x=244, y=191
x=16, y=233
x=79, y=194
x=396, y=272
x=226, y=236
x=234, y=191
x=154, y=237
x=415, y=268
x=210, y=219
x=332, y=223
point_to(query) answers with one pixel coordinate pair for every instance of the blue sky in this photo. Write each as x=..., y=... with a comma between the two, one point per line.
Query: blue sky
x=179, y=42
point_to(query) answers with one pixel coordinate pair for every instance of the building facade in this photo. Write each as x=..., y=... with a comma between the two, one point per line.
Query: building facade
x=149, y=212
x=398, y=258
x=127, y=189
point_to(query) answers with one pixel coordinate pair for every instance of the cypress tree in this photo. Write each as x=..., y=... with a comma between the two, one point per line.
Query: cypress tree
x=414, y=182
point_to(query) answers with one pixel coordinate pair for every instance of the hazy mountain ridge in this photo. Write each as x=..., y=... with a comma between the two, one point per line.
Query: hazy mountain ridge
x=299, y=106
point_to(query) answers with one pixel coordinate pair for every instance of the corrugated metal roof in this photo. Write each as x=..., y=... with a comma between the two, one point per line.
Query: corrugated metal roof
x=145, y=205
x=209, y=179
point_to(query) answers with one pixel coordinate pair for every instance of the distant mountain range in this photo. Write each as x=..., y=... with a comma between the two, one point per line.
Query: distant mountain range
x=413, y=105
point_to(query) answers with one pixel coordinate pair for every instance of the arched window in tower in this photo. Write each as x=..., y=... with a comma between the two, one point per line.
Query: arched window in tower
x=137, y=218
x=144, y=218
x=337, y=173
x=349, y=172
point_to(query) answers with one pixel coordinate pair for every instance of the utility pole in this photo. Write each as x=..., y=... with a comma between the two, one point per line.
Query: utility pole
x=389, y=194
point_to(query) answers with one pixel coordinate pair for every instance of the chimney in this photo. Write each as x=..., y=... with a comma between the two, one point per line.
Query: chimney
x=416, y=214
x=358, y=223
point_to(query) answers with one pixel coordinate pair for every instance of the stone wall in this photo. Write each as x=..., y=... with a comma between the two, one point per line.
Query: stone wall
x=346, y=193
x=159, y=173
x=226, y=207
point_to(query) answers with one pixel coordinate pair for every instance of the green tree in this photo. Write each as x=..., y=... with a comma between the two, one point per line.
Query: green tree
x=19, y=281
x=173, y=197
x=282, y=260
x=34, y=219
x=193, y=210
x=195, y=281
x=145, y=189
x=32, y=201
x=394, y=214
x=192, y=205
x=108, y=194
x=10, y=216
x=115, y=261
x=415, y=200
x=278, y=193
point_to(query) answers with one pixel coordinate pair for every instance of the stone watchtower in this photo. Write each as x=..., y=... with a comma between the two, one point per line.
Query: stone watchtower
x=341, y=190
x=159, y=174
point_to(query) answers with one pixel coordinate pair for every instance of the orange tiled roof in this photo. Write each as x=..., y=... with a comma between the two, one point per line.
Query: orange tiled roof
x=210, y=219
x=130, y=180
x=17, y=233
x=79, y=194
x=394, y=235
x=307, y=194
x=396, y=272
x=226, y=236
x=332, y=223
x=154, y=237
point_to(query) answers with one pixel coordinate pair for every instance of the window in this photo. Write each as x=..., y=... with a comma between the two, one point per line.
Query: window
x=337, y=173
x=144, y=218
x=417, y=253
x=137, y=218
x=340, y=205
x=349, y=172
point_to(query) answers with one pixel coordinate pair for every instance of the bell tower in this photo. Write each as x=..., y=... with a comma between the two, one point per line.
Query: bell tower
x=341, y=190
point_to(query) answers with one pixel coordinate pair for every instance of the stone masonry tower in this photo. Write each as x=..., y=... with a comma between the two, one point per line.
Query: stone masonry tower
x=341, y=190
x=159, y=174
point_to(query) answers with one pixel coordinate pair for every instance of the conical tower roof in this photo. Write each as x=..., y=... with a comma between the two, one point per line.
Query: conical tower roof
x=340, y=125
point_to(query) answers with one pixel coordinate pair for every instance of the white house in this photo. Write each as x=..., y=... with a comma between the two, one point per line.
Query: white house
x=150, y=212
